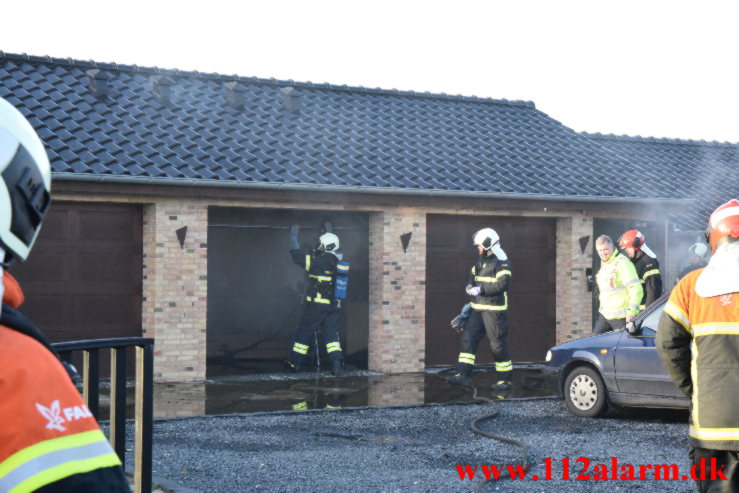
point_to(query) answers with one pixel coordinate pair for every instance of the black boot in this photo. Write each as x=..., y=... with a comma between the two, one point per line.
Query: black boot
x=337, y=367
x=504, y=383
x=463, y=377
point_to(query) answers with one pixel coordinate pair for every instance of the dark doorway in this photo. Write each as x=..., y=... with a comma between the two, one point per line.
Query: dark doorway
x=530, y=246
x=256, y=292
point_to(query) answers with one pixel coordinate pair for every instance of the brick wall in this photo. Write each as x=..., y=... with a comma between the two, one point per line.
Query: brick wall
x=574, y=301
x=175, y=289
x=397, y=293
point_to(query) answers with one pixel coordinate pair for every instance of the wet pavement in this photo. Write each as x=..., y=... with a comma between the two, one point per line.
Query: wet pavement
x=255, y=393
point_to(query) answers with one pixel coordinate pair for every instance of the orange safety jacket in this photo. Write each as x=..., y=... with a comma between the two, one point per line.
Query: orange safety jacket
x=698, y=343
x=48, y=434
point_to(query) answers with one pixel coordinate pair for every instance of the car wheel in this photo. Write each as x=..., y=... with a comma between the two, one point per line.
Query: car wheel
x=585, y=392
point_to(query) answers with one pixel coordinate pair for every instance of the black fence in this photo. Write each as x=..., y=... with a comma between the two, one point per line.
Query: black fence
x=144, y=405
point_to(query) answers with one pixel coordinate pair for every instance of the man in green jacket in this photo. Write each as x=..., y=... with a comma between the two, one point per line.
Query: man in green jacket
x=619, y=288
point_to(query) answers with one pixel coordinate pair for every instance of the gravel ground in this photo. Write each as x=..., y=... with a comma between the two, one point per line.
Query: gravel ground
x=413, y=448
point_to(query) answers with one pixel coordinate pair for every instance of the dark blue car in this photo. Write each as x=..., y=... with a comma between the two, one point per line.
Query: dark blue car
x=620, y=367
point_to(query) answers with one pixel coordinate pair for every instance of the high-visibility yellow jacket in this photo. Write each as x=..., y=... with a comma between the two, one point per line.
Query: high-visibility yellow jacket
x=619, y=287
x=698, y=343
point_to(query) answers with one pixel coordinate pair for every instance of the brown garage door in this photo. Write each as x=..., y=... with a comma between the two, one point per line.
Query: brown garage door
x=83, y=278
x=530, y=245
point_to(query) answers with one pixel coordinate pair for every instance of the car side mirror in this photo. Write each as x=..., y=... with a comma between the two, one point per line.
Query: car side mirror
x=633, y=329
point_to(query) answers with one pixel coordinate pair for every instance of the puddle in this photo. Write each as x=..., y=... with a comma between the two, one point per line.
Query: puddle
x=285, y=392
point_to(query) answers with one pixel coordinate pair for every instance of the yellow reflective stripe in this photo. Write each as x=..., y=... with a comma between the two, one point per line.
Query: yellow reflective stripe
x=300, y=348
x=717, y=328
x=504, y=366
x=320, y=278
x=714, y=433
x=342, y=268
x=329, y=406
x=493, y=279
x=673, y=311
x=55, y=459
x=333, y=346
x=321, y=300
x=468, y=358
x=300, y=406
x=307, y=261
x=650, y=273
x=504, y=306
x=694, y=413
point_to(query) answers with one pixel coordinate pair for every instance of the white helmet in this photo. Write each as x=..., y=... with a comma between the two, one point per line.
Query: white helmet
x=328, y=242
x=699, y=249
x=25, y=185
x=486, y=238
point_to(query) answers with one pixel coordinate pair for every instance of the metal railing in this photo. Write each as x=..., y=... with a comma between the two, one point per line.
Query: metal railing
x=143, y=405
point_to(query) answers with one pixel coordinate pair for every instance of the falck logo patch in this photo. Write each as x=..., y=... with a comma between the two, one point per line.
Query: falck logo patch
x=57, y=416
x=726, y=300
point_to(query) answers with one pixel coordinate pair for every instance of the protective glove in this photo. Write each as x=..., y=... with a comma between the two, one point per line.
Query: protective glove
x=327, y=227
x=474, y=290
x=458, y=324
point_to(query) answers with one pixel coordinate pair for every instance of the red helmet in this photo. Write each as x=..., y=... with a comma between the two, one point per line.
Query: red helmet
x=723, y=223
x=631, y=239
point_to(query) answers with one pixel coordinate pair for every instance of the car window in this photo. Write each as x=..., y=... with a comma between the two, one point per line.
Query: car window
x=649, y=325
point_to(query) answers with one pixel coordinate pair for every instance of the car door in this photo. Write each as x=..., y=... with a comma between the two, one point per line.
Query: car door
x=638, y=367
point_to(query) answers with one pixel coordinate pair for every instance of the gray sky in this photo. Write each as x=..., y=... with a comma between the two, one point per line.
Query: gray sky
x=663, y=68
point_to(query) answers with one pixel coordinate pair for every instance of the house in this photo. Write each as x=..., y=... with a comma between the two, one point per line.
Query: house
x=173, y=192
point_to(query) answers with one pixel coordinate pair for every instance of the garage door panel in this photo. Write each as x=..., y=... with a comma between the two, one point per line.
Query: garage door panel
x=83, y=279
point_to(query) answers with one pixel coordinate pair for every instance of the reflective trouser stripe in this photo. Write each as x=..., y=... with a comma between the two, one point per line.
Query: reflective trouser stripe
x=467, y=358
x=318, y=300
x=307, y=262
x=320, y=278
x=55, y=459
x=333, y=346
x=300, y=406
x=300, y=348
x=504, y=366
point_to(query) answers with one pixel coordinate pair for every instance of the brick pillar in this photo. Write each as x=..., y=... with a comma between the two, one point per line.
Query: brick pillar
x=397, y=292
x=175, y=289
x=574, y=301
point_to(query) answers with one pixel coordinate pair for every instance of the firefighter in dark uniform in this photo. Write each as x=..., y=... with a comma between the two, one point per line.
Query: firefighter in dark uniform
x=320, y=307
x=645, y=262
x=488, y=285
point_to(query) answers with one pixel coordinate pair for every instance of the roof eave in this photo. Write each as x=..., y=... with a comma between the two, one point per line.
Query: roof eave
x=304, y=187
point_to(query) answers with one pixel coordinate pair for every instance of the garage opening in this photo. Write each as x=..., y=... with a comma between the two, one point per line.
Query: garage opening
x=83, y=279
x=256, y=292
x=531, y=247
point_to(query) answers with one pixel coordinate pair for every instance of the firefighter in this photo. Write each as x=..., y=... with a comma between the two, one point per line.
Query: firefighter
x=696, y=259
x=618, y=288
x=488, y=285
x=632, y=243
x=698, y=343
x=49, y=440
x=320, y=307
